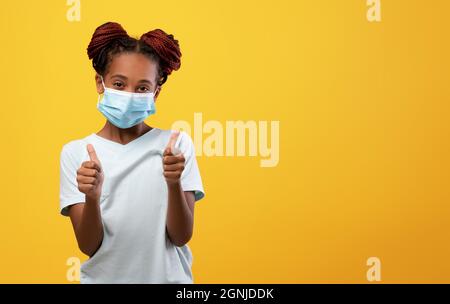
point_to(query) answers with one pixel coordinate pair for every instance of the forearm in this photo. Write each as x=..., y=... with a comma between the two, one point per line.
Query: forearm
x=179, y=216
x=90, y=228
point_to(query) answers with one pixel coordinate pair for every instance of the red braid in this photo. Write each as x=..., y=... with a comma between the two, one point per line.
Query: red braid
x=103, y=35
x=166, y=47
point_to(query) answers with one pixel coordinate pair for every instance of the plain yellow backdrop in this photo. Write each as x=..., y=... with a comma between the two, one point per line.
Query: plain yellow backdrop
x=363, y=107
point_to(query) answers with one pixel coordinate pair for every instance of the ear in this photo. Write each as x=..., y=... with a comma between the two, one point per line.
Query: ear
x=98, y=84
x=158, y=89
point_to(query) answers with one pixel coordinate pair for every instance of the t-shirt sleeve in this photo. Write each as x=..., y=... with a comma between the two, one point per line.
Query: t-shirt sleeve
x=190, y=177
x=68, y=193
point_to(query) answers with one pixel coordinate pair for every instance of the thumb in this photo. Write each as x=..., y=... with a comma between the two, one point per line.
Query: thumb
x=92, y=154
x=172, y=141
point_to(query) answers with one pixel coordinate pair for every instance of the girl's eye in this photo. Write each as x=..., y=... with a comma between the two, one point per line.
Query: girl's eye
x=118, y=84
x=143, y=89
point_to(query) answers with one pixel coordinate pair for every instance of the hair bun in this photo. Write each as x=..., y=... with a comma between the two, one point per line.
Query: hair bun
x=103, y=35
x=167, y=47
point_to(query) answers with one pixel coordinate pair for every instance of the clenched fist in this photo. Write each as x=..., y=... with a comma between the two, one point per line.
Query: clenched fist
x=173, y=161
x=90, y=176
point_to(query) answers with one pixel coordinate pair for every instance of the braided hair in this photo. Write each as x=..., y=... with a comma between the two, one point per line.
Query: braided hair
x=110, y=39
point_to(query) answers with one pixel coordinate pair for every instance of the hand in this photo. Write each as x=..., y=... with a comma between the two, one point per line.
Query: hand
x=173, y=161
x=90, y=176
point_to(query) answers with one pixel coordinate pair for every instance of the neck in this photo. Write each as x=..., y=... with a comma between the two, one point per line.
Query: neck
x=123, y=136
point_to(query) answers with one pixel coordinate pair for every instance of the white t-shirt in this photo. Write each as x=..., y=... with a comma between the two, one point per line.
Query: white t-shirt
x=133, y=204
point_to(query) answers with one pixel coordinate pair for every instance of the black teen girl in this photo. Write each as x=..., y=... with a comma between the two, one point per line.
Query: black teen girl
x=130, y=189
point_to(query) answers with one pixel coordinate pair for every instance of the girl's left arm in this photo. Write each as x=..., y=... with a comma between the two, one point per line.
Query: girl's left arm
x=180, y=214
x=180, y=210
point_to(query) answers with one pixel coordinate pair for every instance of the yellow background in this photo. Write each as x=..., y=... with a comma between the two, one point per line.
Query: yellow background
x=364, y=134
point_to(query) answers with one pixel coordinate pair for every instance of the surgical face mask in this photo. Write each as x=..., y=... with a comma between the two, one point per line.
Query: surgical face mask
x=125, y=109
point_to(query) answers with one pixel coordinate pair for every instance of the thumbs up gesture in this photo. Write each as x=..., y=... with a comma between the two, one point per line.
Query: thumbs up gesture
x=173, y=160
x=90, y=176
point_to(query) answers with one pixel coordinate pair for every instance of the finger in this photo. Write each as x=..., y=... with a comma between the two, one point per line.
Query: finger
x=87, y=172
x=85, y=187
x=93, y=154
x=174, y=167
x=167, y=151
x=86, y=180
x=173, y=159
x=172, y=175
x=91, y=165
x=173, y=139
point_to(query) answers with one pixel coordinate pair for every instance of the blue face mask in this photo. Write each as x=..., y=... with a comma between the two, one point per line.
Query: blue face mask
x=125, y=109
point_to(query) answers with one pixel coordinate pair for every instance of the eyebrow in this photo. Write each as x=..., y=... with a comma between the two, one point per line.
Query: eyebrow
x=120, y=76
x=125, y=78
x=146, y=81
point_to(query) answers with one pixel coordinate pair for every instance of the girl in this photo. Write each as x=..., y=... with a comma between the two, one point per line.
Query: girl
x=130, y=189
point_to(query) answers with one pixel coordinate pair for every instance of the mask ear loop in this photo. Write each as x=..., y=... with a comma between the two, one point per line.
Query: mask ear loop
x=104, y=89
x=101, y=77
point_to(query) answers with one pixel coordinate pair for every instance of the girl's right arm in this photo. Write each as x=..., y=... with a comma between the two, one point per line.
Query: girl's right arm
x=86, y=217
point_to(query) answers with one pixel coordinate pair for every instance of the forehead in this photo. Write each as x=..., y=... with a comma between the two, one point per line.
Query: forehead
x=134, y=66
